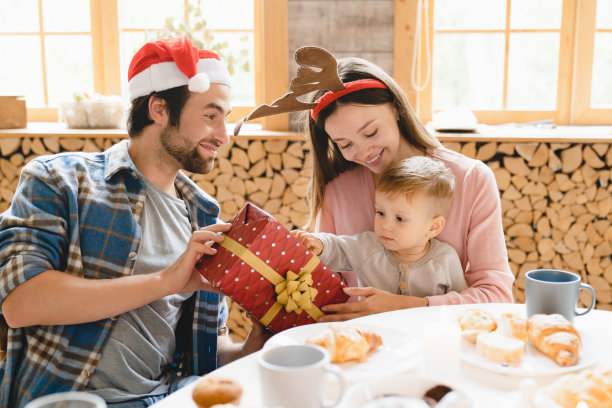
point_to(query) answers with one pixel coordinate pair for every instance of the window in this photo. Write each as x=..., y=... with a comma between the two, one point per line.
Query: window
x=509, y=60
x=59, y=47
x=50, y=49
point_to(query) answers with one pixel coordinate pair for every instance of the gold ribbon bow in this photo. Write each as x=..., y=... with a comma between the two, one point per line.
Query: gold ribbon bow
x=295, y=290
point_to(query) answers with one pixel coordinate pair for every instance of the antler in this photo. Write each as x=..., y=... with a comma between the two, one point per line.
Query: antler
x=325, y=76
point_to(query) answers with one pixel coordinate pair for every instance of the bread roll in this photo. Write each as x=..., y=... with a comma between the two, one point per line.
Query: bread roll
x=556, y=337
x=475, y=321
x=213, y=390
x=346, y=343
x=499, y=348
x=514, y=325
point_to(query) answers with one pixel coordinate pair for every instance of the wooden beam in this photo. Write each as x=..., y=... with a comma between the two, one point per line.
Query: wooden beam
x=105, y=44
x=274, y=49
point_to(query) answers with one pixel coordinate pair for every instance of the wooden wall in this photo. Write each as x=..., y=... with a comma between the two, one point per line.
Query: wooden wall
x=346, y=28
x=556, y=197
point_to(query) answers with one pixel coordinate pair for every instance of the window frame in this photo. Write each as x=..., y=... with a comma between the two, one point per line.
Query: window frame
x=271, y=46
x=582, y=111
x=573, y=77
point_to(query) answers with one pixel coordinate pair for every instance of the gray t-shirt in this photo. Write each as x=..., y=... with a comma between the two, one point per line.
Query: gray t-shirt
x=437, y=273
x=142, y=343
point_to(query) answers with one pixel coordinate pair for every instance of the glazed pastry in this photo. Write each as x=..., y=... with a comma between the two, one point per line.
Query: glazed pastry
x=475, y=321
x=499, y=348
x=514, y=325
x=346, y=343
x=594, y=387
x=556, y=337
x=214, y=390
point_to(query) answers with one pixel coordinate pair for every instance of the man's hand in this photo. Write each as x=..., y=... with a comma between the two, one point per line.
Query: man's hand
x=374, y=301
x=182, y=276
x=309, y=240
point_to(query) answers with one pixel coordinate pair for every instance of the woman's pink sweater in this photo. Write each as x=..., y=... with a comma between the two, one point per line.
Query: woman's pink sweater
x=473, y=225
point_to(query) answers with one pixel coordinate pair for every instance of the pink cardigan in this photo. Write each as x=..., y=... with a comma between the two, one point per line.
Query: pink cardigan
x=473, y=225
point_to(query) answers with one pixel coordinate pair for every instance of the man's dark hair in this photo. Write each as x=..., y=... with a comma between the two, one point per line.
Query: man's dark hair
x=138, y=118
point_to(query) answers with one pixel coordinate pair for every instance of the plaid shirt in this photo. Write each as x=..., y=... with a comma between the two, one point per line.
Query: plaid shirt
x=79, y=213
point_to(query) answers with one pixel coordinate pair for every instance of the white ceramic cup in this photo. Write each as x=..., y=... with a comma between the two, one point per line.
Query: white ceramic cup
x=70, y=399
x=295, y=376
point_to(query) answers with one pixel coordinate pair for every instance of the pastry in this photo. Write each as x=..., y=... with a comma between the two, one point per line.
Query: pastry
x=499, y=348
x=514, y=325
x=346, y=343
x=215, y=390
x=474, y=322
x=556, y=337
x=593, y=387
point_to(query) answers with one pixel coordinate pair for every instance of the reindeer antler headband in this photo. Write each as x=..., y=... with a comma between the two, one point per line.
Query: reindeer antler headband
x=309, y=80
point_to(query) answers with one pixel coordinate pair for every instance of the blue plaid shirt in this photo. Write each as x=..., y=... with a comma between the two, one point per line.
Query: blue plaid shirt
x=79, y=213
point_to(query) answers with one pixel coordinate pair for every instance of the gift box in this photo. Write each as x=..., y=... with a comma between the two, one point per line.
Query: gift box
x=268, y=272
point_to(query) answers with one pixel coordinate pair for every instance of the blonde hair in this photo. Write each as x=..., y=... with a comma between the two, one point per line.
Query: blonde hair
x=420, y=174
x=327, y=160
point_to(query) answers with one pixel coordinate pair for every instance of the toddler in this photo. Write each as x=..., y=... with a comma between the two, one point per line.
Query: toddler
x=401, y=256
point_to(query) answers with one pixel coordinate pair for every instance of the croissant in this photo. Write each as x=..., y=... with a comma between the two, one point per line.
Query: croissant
x=346, y=343
x=556, y=337
x=593, y=387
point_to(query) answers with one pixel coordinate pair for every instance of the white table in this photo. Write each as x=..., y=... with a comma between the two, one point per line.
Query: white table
x=487, y=388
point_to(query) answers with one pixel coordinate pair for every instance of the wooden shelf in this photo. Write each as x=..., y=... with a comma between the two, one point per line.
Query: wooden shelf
x=484, y=133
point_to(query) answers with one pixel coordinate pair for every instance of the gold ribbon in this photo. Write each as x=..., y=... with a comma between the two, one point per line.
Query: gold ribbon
x=294, y=292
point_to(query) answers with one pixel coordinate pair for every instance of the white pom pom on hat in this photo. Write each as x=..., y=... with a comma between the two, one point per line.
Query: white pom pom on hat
x=174, y=62
x=199, y=83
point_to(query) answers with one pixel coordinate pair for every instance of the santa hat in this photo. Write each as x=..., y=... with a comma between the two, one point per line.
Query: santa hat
x=173, y=62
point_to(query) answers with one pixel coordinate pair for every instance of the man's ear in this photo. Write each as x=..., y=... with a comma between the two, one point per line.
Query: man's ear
x=437, y=224
x=157, y=110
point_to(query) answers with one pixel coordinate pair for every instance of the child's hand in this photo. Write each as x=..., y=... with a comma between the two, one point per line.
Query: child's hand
x=309, y=240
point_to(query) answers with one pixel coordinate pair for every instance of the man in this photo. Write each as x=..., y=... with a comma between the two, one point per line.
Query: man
x=97, y=251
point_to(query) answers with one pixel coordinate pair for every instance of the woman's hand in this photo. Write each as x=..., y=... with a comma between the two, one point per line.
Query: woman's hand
x=374, y=301
x=309, y=240
x=182, y=276
x=256, y=338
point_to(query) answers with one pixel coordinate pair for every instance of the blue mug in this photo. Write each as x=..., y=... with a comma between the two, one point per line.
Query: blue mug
x=551, y=291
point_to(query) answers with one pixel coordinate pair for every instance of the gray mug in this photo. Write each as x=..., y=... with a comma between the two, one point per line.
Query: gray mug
x=551, y=291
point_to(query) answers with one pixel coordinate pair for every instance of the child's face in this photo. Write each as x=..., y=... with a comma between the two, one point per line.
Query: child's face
x=402, y=223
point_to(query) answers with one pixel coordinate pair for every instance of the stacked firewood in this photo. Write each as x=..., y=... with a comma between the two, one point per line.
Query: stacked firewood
x=272, y=174
x=557, y=209
x=556, y=197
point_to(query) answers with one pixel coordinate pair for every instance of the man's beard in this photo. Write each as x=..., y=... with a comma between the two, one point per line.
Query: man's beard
x=187, y=156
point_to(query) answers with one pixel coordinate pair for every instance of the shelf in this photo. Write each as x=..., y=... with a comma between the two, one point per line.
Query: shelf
x=484, y=133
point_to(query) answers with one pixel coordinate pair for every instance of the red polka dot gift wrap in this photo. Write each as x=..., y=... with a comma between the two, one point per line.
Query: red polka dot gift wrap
x=268, y=272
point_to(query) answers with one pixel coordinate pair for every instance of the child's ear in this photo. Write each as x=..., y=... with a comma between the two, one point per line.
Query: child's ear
x=437, y=224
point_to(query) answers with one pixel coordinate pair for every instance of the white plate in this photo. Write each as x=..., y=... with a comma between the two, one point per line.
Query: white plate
x=399, y=352
x=402, y=385
x=534, y=362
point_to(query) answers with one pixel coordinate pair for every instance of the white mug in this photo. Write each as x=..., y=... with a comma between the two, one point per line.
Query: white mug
x=294, y=376
x=69, y=399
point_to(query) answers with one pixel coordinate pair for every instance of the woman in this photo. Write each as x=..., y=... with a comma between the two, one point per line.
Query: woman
x=355, y=133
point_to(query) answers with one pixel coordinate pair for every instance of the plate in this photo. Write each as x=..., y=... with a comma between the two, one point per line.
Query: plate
x=534, y=362
x=400, y=385
x=399, y=352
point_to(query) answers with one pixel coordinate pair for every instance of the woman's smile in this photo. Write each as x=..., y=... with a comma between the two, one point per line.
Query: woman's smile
x=374, y=161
